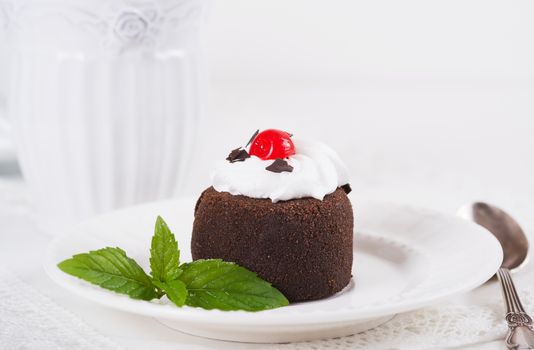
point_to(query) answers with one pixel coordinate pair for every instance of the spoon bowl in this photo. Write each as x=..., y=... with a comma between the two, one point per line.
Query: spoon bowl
x=511, y=236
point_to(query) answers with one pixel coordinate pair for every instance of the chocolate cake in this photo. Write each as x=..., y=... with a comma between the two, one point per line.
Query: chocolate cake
x=302, y=246
x=285, y=226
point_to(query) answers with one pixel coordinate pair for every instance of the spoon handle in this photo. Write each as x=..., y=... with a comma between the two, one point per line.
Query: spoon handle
x=520, y=332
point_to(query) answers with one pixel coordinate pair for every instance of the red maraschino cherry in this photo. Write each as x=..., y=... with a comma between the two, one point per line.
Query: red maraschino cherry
x=272, y=144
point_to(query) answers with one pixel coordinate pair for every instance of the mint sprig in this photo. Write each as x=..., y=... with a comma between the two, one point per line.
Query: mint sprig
x=110, y=268
x=216, y=284
x=164, y=253
x=209, y=284
x=176, y=291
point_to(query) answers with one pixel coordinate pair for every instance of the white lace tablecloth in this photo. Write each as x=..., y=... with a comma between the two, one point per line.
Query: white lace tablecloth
x=36, y=314
x=30, y=320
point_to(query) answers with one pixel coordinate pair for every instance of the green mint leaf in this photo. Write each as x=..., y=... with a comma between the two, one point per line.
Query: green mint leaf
x=164, y=253
x=110, y=268
x=215, y=284
x=176, y=291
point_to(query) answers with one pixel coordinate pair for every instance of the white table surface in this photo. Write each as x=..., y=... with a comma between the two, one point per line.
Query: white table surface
x=441, y=175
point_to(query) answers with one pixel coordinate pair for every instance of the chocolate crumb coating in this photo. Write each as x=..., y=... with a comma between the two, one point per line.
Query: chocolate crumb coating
x=302, y=246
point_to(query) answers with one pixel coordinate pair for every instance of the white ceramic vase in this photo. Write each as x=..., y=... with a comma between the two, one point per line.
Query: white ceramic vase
x=104, y=97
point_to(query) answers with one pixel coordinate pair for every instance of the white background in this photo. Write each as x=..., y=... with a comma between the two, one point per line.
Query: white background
x=422, y=99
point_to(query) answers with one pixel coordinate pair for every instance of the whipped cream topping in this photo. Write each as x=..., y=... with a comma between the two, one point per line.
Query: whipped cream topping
x=317, y=171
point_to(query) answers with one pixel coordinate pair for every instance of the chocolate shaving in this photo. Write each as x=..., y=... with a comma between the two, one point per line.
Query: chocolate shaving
x=237, y=155
x=279, y=165
x=346, y=188
x=253, y=137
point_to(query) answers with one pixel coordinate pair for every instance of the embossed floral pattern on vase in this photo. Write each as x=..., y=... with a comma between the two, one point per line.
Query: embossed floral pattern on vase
x=109, y=25
x=131, y=26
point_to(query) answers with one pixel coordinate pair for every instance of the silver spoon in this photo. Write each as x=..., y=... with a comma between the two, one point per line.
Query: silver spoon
x=515, y=247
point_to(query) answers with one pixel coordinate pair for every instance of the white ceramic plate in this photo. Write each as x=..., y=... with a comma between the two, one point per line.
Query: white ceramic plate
x=405, y=258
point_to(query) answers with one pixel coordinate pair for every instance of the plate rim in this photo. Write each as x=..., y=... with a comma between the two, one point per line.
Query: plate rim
x=251, y=319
